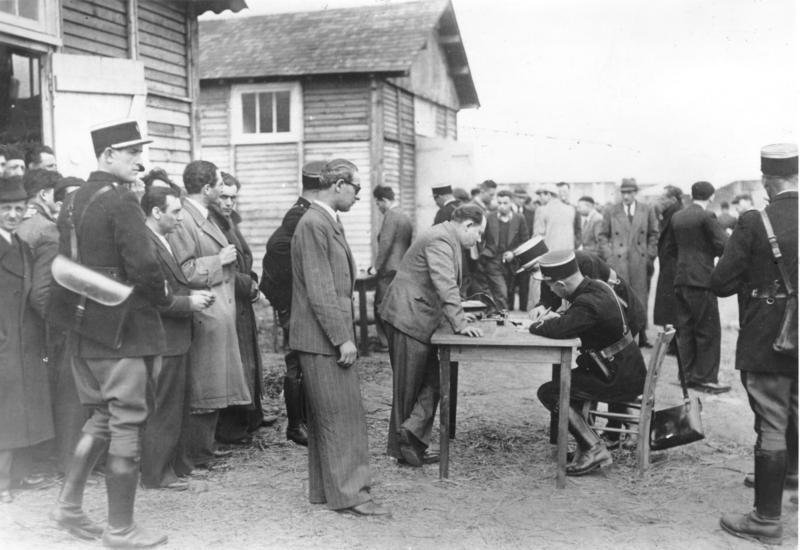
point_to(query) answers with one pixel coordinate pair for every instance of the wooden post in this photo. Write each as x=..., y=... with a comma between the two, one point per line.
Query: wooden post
x=563, y=406
x=133, y=29
x=193, y=81
x=444, y=412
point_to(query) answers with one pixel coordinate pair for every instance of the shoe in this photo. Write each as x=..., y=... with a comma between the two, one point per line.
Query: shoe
x=132, y=536
x=753, y=527
x=713, y=387
x=68, y=512
x=6, y=497
x=177, y=485
x=369, y=508
x=588, y=461
x=34, y=481
x=217, y=453
x=298, y=434
x=789, y=482
x=427, y=458
x=409, y=449
x=75, y=521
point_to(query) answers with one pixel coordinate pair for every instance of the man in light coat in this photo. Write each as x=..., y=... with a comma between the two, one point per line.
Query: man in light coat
x=629, y=242
x=554, y=220
x=423, y=295
x=591, y=222
x=216, y=375
x=321, y=331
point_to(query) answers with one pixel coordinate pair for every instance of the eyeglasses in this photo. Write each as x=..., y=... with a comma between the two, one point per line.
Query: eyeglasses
x=355, y=186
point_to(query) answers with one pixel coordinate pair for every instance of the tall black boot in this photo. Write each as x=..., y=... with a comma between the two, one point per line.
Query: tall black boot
x=764, y=523
x=293, y=396
x=592, y=452
x=68, y=512
x=122, y=477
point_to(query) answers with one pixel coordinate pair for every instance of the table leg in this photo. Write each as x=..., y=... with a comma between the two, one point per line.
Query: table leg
x=444, y=412
x=555, y=377
x=563, y=418
x=362, y=319
x=453, y=397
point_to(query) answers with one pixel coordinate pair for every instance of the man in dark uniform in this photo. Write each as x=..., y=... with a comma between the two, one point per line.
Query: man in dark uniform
x=276, y=284
x=694, y=238
x=610, y=366
x=769, y=377
x=112, y=238
x=444, y=199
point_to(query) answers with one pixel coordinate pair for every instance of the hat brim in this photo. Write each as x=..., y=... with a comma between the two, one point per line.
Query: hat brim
x=131, y=143
x=539, y=277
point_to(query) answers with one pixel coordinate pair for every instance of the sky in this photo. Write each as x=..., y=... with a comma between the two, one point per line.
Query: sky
x=667, y=91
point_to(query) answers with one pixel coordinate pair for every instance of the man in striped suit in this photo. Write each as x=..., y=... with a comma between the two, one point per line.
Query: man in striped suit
x=321, y=331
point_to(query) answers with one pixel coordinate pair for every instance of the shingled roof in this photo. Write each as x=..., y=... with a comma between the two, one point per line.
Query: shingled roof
x=371, y=39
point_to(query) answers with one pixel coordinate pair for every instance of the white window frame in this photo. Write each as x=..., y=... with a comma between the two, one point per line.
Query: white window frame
x=45, y=29
x=295, y=113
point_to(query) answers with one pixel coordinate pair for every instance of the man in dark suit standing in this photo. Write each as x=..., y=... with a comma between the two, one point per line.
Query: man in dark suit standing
x=422, y=295
x=112, y=238
x=628, y=242
x=694, y=239
x=505, y=231
x=321, y=331
x=444, y=199
x=276, y=284
x=394, y=238
x=162, y=458
x=770, y=377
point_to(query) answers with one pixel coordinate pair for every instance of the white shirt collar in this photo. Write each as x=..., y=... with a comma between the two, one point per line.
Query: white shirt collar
x=6, y=235
x=632, y=207
x=201, y=207
x=327, y=209
x=163, y=240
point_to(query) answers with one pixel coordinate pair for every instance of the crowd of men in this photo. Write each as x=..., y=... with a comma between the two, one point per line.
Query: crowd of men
x=134, y=340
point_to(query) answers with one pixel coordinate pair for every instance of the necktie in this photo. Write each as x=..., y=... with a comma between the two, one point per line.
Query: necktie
x=630, y=216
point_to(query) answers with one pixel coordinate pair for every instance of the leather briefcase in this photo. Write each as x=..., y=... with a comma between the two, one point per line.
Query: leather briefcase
x=677, y=425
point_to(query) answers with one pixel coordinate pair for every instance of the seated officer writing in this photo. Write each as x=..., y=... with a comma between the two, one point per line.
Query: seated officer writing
x=610, y=365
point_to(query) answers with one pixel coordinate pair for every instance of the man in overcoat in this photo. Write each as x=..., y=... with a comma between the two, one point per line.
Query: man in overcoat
x=423, y=295
x=769, y=377
x=664, y=308
x=321, y=331
x=112, y=239
x=208, y=260
x=694, y=239
x=163, y=456
x=24, y=390
x=628, y=242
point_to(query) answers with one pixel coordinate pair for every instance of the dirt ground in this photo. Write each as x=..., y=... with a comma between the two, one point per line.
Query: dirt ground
x=501, y=492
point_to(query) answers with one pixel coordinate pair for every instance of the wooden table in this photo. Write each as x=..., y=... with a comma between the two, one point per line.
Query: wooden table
x=364, y=283
x=506, y=344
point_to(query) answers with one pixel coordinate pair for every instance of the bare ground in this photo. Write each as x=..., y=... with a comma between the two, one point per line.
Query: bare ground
x=501, y=492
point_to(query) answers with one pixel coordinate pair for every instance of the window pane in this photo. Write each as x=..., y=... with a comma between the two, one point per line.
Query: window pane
x=265, y=113
x=29, y=9
x=8, y=6
x=20, y=100
x=249, y=113
x=283, y=111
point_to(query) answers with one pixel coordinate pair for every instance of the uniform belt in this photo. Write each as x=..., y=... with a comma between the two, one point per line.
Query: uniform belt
x=610, y=351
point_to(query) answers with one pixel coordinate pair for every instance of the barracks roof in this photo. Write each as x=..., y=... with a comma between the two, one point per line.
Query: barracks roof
x=368, y=39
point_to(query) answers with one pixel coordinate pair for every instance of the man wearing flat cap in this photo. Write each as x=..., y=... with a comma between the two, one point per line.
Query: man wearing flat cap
x=24, y=392
x=769, y=376
x=610, y=366
x=276, y=284
x=694, y=238
x=112, y=238
x=628, y=242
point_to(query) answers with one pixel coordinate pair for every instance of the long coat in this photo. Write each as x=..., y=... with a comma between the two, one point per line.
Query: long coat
x=323, y=279
x=664, y=308
x=425, y=290
x=216, y=375
x=24, y=391
x=747, y=265
x=555, y=223
x=629, y=247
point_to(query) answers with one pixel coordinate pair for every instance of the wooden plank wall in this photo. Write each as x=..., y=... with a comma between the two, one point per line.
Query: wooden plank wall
x=399, y=154
x=336, y=109
x=95, y=27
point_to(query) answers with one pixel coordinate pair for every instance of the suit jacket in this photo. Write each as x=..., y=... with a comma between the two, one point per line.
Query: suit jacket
x=517, y=234
x=24, y=388
x=445, y=213
x=41, y=234
x=394, y=239
x=216, y=374
x=590, y=231
x=424, y=291
x=555, y=222
x=747, y=265
x=177, y=316
x=629, y=247
x=694, y=239
x=113, y=237
x=323, y=279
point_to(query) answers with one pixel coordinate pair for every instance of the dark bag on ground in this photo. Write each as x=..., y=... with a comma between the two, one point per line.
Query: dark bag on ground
x=677, y=425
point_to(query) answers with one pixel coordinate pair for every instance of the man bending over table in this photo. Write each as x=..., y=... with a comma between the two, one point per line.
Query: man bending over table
x=610, y=365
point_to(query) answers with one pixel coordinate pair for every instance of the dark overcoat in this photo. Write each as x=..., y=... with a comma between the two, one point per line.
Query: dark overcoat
x=24, y=390
x=747, y=264
x=664, y=308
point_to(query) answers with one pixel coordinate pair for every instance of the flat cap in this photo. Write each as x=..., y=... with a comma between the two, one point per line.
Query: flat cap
x=11, y=190
x=779, y=159
x=311, y=172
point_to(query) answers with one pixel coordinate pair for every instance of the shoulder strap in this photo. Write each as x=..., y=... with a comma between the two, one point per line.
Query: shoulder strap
x=73, y=237
x=776, y=251
x=619, y=306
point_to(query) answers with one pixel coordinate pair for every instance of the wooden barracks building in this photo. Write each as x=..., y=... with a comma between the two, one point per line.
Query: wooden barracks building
x=378, y=85
x=66, y=65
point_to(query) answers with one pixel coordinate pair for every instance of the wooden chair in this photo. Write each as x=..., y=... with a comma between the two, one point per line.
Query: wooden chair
x=637, y=423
